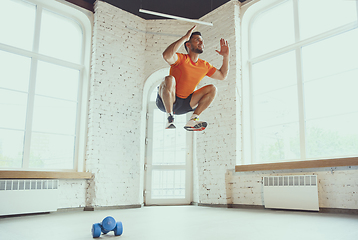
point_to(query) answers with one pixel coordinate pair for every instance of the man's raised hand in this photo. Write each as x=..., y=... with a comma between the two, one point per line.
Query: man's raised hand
x=188, y=34
x=224, y=48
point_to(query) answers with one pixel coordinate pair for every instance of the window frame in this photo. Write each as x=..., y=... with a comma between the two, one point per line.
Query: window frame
x=85, y=20
x=249, y=13
x=150, y=86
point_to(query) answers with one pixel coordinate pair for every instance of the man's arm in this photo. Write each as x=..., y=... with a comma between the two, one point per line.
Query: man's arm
x=169, y=54
x=222, y=73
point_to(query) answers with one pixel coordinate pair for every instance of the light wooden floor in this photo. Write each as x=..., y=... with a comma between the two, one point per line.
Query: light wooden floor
x=185, y=223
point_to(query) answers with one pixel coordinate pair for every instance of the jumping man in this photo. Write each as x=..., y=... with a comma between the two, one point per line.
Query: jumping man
x=176, y=93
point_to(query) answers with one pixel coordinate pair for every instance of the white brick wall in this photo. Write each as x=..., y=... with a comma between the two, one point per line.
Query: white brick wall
x=337, y=187
x=216, y=146
x=115, y=107
x=72, y=193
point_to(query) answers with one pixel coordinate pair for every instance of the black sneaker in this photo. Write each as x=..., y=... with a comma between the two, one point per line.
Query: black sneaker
x=170, y=122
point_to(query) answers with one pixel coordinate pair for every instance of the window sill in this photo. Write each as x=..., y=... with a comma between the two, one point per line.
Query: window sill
x=340, y=162
x=44, y=175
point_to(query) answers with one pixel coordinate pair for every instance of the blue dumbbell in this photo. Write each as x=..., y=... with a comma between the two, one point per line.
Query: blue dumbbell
x=108, y=224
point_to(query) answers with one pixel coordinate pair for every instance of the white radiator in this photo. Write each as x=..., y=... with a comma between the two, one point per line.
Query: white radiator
x=28, y=196
x=297, y=192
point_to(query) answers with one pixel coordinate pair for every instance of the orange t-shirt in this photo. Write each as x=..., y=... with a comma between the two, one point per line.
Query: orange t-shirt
x=188, y=74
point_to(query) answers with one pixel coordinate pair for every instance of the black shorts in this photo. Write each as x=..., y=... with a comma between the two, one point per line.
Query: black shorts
x=181, y=105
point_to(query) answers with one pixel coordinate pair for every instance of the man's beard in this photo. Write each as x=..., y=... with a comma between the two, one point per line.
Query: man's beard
x=197, y=50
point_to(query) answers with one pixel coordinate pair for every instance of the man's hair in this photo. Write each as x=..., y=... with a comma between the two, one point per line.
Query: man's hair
x=191, y=36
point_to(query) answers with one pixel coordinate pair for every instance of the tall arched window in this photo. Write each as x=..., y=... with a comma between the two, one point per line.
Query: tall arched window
x=300, y=80
x=44, y=61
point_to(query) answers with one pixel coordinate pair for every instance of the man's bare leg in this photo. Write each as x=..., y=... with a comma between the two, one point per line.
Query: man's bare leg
x=167, y=93
x=202, y=98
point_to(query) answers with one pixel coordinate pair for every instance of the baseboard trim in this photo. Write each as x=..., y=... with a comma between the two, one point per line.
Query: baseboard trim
x=23, y=215
x=339, y=210
x=245, y=206
x=75, y=209
x=213, y=205
x=95, y=208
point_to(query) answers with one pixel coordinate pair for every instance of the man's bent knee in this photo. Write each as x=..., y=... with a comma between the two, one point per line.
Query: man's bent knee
x=212, y=89
x=169, y=81
x=167, y=86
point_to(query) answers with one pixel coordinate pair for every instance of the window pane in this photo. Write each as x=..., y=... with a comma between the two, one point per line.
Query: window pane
x=11, y=148
x=181, y=144
x=273, y=29
x=330, y=96
x=332, y=137
x=60, y=37
x=15, y=71
x=56, y=81
x=169, y=147
x=168, y=184
x=319, y=16
x=51, y=151
x=330, y=56
x=13, y=107
x=338, y=96
x=17, y=23
x=277, y=107
x=54, y=116
x=275, y=99
x=279, y=143
x=274, y=73
x=153, y=95
x=158, y=156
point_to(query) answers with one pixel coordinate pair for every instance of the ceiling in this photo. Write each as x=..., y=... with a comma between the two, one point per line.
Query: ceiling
x=193, y=9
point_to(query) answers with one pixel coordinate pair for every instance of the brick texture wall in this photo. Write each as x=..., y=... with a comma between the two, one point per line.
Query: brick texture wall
x=72, y=193
x=337, y=187
x=115, y=107
x=216, y=146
